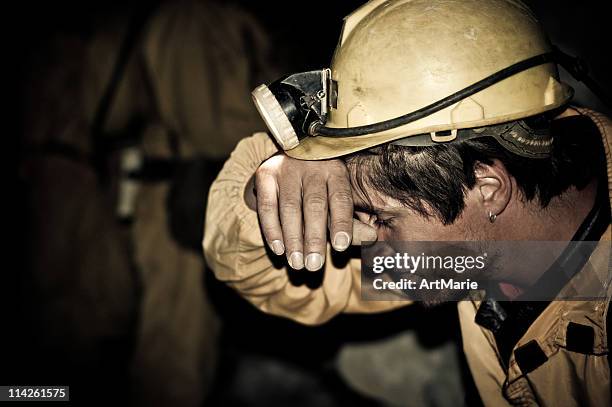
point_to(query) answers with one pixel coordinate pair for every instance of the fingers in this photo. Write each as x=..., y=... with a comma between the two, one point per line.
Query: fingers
x=340, y=210
x=315, y=221
x=267, y=210
x=295, y=202
x=363, y=233
x=290, y=196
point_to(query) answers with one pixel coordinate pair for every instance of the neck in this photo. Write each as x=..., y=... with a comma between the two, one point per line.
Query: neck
x=558, y=222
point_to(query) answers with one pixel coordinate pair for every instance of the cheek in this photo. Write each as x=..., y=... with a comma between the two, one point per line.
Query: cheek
x=388, y=235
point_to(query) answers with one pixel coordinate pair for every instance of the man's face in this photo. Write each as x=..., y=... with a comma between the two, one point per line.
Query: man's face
x=394, y=222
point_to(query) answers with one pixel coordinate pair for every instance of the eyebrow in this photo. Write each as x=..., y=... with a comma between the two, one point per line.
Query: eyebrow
x=360, y=207
x=367, y=208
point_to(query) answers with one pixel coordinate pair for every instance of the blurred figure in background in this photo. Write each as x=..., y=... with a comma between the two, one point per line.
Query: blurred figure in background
x=126, y=130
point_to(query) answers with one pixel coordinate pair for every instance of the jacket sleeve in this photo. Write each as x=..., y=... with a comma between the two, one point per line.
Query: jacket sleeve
x=234, y=249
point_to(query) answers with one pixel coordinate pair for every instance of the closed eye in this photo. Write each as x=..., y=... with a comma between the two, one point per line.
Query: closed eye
x=383, y=223
x=374, y=219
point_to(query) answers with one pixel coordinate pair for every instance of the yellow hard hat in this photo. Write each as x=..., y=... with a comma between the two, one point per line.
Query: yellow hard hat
x=405, y=68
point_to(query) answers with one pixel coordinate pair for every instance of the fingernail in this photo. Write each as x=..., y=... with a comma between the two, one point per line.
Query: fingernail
x=296, y=261
x=278, y=247
x=341, y=241
x=314, y=261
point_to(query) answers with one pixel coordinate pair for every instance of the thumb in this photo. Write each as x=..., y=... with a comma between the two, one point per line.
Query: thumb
x=363, y=233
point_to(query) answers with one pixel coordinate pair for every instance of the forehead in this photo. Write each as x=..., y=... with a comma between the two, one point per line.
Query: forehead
x=367, y=202
x=369, y=195
x=370, y=200
x=359, y=166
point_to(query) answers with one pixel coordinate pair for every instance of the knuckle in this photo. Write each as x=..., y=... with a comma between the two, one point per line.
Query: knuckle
x=314, y=179
x=293, y=242
x=315, y=203
x=262, y=172
x=269, y=231
x=343, y=225
x=342, y=197
x=337, y=166
x=266, y=205
x=315, y=242
x=340, y=181
x=290, y=206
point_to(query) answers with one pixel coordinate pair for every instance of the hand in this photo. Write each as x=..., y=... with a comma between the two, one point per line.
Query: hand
x=297, y=201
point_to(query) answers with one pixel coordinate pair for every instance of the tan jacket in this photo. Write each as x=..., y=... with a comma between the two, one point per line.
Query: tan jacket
x=234, y=249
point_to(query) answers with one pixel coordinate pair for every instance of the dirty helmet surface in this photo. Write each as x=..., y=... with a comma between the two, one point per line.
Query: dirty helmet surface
x=418, y=72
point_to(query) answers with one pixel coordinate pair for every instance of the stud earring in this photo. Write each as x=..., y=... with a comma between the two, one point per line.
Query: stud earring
x=492, y=217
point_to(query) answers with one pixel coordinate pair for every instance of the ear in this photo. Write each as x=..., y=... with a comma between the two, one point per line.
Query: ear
x=493, y=188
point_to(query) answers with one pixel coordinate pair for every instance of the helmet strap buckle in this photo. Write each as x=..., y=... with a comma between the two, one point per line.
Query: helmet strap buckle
x=443, y=136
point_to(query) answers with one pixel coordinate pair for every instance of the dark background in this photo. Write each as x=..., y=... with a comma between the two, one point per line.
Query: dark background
x=305, y=34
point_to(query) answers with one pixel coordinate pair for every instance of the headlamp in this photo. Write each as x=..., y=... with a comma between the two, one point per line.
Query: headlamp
x=297, y=106
x=293, y=103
